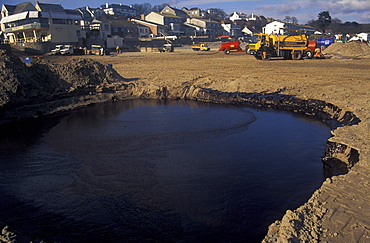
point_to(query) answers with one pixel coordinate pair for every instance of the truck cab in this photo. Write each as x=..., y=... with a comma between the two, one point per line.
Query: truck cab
x=201, y=47
x=255, y=43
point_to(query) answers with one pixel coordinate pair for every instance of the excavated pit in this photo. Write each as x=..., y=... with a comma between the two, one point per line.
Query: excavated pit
x=45, y=88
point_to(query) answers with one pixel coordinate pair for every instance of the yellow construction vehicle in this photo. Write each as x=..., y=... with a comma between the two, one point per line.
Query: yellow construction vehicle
x=201, y=47
x=264, y=46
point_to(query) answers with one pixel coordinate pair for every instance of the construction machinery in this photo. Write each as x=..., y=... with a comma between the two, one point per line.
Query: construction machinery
x=230, y=44
x=265, y=46
x=96, y=49
x=201, y=47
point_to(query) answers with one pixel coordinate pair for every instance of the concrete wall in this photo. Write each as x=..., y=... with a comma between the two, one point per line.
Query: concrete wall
x=64, y=33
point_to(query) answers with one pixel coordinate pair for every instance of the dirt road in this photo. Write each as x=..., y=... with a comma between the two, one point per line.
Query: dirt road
x=337, y=212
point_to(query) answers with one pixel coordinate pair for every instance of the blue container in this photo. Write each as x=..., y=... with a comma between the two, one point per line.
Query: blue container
x=109, y=65
x=325, y=41
x=27, y=60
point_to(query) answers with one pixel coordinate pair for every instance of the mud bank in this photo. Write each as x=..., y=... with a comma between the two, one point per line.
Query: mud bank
x=46, y=88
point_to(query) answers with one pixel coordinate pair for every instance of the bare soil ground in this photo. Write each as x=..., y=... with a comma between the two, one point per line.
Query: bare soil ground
x=337, y=212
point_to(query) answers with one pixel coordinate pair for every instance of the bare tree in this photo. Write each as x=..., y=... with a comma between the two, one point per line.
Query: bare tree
x=217, y=13
x=143, y=8
x=287, y=19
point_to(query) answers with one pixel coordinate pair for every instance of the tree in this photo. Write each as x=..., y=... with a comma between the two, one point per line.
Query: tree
x=143, y=8
x=160, y=7
x=336, y=25
x=323, y=21
x=287, y=19
x=312, y=23
x=217, y=13
x=294, y=20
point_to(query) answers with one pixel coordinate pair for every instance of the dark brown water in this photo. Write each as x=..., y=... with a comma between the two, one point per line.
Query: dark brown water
x=157, y=171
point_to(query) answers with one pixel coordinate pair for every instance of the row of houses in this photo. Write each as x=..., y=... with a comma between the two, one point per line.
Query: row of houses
x=45, y=22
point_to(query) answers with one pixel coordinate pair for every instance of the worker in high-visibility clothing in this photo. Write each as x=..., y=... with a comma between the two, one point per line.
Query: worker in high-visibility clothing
x=264, y=48
x=317, y=53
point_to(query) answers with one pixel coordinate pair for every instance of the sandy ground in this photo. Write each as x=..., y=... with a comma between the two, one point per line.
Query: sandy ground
x=340, y=209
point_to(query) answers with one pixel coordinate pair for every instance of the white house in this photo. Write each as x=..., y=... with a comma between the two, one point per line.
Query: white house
x=361, y=37
x=119, y=9
x=282, y=28
x=238, y=16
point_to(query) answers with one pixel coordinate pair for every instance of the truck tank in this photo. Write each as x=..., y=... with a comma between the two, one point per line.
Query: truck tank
x=287, y=46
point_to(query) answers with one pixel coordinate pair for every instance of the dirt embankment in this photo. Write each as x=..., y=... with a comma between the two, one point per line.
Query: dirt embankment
x=331, y=89
x=46, y=87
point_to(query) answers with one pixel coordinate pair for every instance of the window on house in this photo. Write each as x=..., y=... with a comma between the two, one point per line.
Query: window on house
x=59, y=21
x=78, y=33
x=106, y=26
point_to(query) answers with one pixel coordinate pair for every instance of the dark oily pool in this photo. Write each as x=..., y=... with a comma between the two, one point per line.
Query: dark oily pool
x=158, y=171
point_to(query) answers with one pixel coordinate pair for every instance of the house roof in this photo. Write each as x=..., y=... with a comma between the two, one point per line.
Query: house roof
x=124, y=23
x=144, y=22
x=178, y=12
x=170, y=15
x=24, y=7
x=118, y=6
x=19, y=8
x=49, y=7
x=239, y=14
x=10, y=8
x=250, y=30
x=207, y=20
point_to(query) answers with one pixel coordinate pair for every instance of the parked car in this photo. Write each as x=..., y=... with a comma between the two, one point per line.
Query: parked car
x=67, y=50
x=57, y=49
x=166, y=47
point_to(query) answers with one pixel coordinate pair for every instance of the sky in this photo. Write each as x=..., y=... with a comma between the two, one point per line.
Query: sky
x=303, y=10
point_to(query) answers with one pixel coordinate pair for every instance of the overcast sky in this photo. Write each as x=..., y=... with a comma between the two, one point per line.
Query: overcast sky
x=303, y=10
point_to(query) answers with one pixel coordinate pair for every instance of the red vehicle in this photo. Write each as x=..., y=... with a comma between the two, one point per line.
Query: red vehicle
x=230, y=44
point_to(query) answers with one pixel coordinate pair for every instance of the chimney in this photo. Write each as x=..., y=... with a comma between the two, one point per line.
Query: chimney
x=107, y=5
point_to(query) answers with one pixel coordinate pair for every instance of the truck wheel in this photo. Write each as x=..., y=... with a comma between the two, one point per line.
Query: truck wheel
x=287, y=55
x=308, y=54
x=227, y=51
x=297, y=55
x=267, y=58
x=258, y=57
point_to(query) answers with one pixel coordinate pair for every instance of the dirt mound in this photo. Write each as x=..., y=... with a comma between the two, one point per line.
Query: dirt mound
x=80, y=72
x=17, y=82
x=348, y=50
x=21, y=84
